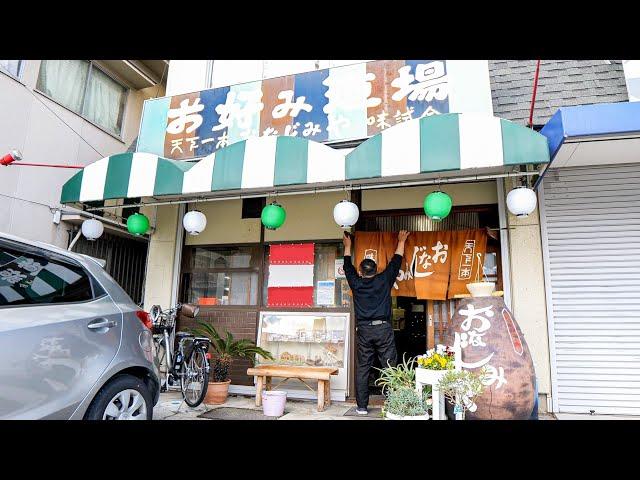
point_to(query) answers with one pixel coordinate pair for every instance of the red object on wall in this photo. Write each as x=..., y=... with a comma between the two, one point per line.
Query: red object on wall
x=291, y=275
x=293, y=254
x=7, y=159
x=208, y=301
x=290, y=296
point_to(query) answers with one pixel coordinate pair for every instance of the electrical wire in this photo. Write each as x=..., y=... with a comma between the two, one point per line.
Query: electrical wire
x=62, y=120
x=166, y=67
x=53, y=209
x=28, y=201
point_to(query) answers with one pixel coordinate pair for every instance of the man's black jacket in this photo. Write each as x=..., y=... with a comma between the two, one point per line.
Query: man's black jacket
x=372, y=296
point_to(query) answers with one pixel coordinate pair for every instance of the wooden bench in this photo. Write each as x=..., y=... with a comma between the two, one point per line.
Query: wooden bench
x=322, y=374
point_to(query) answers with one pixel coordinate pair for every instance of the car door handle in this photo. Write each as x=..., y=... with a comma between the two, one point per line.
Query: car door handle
x=101, y=323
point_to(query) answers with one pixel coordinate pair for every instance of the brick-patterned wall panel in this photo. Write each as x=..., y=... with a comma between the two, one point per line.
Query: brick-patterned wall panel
x=241, y=324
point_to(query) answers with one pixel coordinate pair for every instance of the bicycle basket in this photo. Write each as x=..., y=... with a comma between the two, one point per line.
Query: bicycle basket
x=163, y=322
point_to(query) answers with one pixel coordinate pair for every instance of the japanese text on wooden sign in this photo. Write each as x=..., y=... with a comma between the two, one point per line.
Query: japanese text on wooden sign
x=349, y=102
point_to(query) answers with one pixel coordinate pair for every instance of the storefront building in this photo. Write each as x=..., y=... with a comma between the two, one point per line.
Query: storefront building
x=381, y=134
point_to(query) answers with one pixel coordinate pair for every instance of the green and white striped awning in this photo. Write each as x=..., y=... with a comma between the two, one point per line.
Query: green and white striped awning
x=428, y=145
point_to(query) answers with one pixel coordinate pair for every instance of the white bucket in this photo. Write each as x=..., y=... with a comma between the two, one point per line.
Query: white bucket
x=273, y=402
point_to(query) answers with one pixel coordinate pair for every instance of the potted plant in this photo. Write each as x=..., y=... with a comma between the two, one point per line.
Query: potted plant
x=432, y=366
x=402, y=401
x=434, y=363
x=225, y=349
x=461, y=388
x=402, y=375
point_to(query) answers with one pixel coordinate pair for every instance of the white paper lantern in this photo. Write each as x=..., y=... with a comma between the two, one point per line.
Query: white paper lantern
x=92, y=229
x=521, y=201
x=194, y=222
x=346, y=213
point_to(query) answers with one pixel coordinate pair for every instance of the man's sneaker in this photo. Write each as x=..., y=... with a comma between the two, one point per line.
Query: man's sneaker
x=362, y=411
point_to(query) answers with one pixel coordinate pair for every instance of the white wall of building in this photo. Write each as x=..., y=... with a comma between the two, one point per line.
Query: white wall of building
x=187, y=76
x=35, y=125
x=193, y=75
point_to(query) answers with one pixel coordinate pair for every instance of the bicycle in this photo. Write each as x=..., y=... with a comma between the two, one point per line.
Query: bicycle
x=186, y=367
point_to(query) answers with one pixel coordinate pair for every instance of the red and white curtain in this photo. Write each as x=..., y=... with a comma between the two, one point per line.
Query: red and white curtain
x=291, y=275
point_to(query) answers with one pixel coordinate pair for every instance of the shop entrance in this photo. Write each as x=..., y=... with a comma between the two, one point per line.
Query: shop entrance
x=419, y=325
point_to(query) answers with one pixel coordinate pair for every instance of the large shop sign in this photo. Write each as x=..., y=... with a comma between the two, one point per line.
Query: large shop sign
x=341, y=103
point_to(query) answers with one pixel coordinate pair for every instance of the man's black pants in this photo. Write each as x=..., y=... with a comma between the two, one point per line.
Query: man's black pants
x=372, y=339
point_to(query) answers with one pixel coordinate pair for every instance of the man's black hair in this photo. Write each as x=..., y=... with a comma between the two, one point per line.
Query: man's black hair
x=368, y=267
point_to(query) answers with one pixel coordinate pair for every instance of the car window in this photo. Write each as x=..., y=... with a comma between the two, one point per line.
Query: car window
x=27, y=278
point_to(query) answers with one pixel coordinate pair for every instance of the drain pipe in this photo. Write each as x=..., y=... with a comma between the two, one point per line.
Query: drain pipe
x=533, y=96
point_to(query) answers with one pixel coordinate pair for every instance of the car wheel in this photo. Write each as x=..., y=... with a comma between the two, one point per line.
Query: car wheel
x=125, y=397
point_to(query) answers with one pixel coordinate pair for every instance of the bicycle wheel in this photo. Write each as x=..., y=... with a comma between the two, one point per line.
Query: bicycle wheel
x=194, y=380
x=161, y=357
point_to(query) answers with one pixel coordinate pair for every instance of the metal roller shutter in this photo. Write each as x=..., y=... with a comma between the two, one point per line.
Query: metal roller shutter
x=590, y=220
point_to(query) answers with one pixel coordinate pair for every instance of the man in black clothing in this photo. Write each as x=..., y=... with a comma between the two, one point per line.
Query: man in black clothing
x=372, y=302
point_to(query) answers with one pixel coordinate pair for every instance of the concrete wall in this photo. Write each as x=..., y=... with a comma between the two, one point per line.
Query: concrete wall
x=309, y=217
x=481, y=193
x=225, y=224
x=33, y=128
x=527, y=290
x=160, y=259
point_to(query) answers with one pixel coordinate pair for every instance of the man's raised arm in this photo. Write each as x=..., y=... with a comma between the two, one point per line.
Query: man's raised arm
x=349, y=270
x=402, y=238
x=393, y=268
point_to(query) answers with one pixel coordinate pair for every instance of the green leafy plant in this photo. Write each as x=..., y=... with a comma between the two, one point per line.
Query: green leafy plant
x=462, y=387
x=405, y=402
x=402, y=375
x=226, y=348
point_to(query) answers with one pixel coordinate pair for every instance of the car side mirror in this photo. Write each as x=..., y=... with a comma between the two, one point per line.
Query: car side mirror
x=190, y=310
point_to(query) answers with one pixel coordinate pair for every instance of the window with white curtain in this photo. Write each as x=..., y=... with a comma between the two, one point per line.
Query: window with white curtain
x=105, y=101
x=64, y=81
x=82, y=87
x=11, y=66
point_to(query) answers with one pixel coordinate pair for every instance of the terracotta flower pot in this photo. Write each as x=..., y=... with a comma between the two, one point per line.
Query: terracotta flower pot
x=217, y=392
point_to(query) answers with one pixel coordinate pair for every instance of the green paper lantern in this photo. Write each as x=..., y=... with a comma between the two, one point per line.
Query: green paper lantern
x=137, y=224
x=273, y=216
x=437, y=205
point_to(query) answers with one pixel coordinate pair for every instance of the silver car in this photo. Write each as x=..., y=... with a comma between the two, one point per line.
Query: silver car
x=73, y=345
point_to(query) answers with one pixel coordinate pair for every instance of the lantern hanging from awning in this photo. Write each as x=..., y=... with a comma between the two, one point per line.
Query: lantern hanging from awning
x=273, y=216
x=137, y=224
x=346, y=214
x=521, y=201
x=437, y=205
x=92, y=229
x=194, y=222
